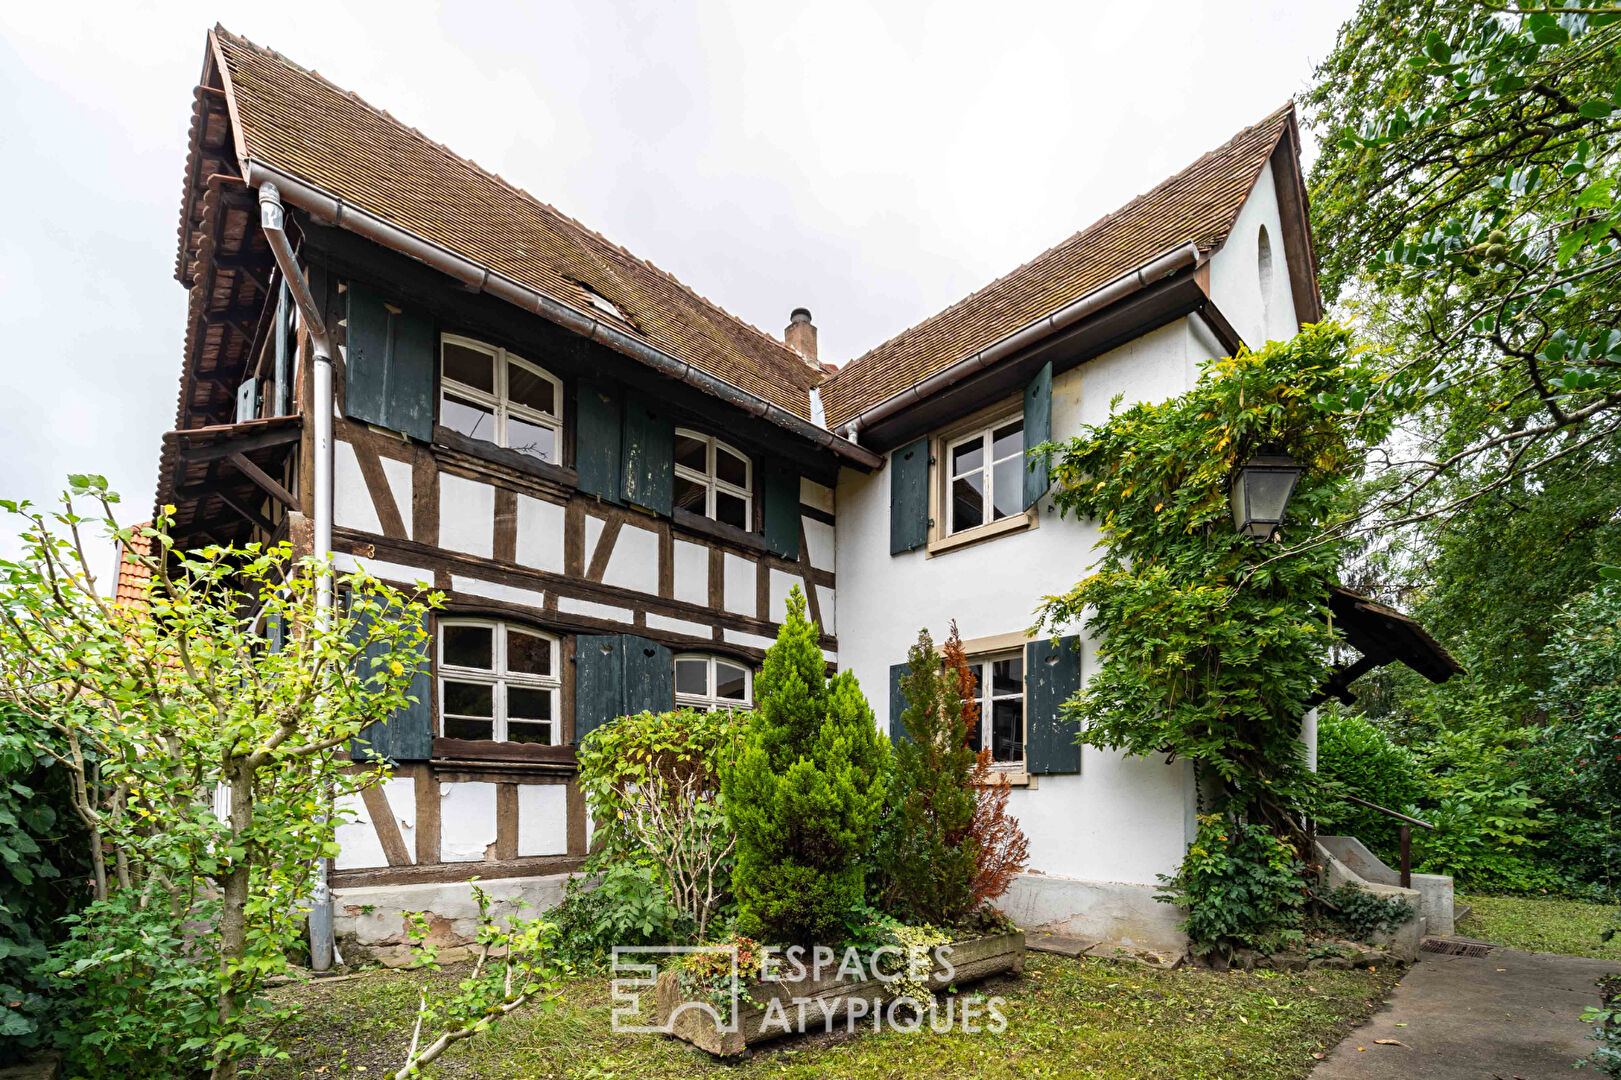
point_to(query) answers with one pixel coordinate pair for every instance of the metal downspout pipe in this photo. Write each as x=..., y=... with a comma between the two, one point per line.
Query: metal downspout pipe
x=272, y=219
x=1099, y=298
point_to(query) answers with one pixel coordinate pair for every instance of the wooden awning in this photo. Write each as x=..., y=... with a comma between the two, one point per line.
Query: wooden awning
x=1383, y=636
x=225, y=479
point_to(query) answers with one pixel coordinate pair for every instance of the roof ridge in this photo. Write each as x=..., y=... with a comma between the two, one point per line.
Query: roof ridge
x=1117, y=212
x=288, y=62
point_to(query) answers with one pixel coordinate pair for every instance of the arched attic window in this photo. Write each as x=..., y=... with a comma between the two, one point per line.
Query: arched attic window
x=1263, y=269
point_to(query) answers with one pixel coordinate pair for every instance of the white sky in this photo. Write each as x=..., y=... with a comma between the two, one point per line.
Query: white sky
x=873, y=162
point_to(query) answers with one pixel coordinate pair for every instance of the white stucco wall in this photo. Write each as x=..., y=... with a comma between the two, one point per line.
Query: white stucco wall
x=1119, y=819
x=1235, y=282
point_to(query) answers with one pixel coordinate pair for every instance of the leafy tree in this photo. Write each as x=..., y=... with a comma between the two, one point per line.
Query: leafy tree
x=804, y=793
x=229, y=680
x=1466, y=203
x=927, y=854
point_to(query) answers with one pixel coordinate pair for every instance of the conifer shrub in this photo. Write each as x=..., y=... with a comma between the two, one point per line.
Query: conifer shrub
x=803, y=794
x=927, y=855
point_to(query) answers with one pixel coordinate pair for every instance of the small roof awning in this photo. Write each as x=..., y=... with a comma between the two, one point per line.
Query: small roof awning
x=220, y=477
x=1383, y=636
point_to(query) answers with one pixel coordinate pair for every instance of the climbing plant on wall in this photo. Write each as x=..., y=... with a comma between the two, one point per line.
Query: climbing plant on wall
x=1210, y=643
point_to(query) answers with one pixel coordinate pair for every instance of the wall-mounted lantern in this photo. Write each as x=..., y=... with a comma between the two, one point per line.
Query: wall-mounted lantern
x=1261, y=492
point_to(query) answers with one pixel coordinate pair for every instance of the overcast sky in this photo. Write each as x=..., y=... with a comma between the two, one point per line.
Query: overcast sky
x=873, y=162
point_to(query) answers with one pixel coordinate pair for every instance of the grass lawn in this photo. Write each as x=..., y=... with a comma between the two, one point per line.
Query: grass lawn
x=1064, y=1018
x=1541, y=924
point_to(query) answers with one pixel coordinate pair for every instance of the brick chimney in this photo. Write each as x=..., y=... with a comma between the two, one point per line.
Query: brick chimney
x=801, y=334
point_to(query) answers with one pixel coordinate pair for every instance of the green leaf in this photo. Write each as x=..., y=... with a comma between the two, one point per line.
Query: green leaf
x=1597, y=109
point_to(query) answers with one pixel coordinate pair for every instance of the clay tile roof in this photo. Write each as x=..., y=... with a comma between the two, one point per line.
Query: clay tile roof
x=130, y=589
x=1198, y=205
x=294, y=121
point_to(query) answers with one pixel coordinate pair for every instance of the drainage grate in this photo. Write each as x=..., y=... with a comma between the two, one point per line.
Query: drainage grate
x=1455, y=948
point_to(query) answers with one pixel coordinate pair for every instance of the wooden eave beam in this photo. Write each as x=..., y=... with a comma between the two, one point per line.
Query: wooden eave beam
x=264, y=480
x=239, y=445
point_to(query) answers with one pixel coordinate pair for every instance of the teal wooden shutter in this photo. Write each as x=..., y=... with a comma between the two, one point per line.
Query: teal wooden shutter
x=408, y=734
x=247, y=401
x=1038, y=428
x=388, y=366
x=599, y=682
x=648, y=456
x=649, y=676
x=781, y=508
x=284, y=334
x=1052, y=675
x=596, y=440
x=909, y=497
x=897, y=702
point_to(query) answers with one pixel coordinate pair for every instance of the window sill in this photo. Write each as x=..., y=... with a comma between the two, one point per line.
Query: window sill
x=483, y=750
x=1002, y=778
x=717, y=530
x=500, y=455
x=968, y=537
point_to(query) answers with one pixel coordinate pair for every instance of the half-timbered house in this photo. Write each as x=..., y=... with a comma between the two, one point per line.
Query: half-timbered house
x=615, y=483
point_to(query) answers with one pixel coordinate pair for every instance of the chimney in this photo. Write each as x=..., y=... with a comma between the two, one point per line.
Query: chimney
x=801, y=334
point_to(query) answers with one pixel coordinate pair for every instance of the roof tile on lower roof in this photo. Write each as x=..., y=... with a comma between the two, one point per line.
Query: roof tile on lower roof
x=1198, y=205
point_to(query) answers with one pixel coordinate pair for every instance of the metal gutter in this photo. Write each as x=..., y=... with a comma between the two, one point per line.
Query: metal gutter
x=1099, y=298
x=478, y=278
x=272, y=220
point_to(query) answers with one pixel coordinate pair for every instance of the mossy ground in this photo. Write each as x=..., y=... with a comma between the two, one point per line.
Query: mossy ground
x=1088, y=1018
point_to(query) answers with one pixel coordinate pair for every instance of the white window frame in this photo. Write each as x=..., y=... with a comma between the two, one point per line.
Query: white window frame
x=982, y=692
x=713, y=483
x=498, y=677
x=982, y=435
x=710, y=701
x=498, y=401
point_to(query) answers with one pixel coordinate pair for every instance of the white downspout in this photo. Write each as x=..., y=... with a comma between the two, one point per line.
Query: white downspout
x=272, y=219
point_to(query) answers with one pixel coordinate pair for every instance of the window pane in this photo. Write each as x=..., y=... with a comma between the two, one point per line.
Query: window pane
x=524, y=703
x=1007, y=730
x=473, y=367
x=689, y=495
x=967, y=502
x=967, y=457
x=693, y=453
x=536, y=440
x=527, y=388
x=467, y=417
x=469, y=699
x=529, y=733
x=528, y=654
x=1007, y=487
x=1007, y=440
x=1007, y=677
x=731, y=681
x=468, y=646
x=731, y=468
x=731, y=509
x=458, y=728
x=692, y=676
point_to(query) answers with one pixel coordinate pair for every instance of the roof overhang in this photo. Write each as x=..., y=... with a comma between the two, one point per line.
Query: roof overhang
x=1383, y=636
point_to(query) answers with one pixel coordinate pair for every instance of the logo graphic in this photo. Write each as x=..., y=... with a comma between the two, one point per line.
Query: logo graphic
x=632, y=977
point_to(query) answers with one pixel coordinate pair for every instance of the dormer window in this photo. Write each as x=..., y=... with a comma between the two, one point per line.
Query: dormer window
x=713, y=479
x=488, y=393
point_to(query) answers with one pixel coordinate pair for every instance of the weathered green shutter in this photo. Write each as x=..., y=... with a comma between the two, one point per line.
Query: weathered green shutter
x=599, y=682
x=1038, y=428
x=284, y=335
x=897, y=702
x=781, y=508
x=1052, y=675
x=909, y=497
x=408, y=734
x=649, y=676
x=596, y=441
x=247, y=401
x=388, y=366
x=649, y=456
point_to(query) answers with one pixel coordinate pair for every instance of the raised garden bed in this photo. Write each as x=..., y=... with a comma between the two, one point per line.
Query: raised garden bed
x=811, y=1005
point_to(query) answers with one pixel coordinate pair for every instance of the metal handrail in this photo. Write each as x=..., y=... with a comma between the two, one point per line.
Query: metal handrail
x=1406, y=835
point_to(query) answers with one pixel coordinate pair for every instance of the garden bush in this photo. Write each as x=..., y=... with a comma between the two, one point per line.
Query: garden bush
x=1242, y=888
x=804, y=793
x=1356, y=758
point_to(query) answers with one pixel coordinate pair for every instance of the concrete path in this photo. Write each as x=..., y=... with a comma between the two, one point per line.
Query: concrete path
x=1507, y=1015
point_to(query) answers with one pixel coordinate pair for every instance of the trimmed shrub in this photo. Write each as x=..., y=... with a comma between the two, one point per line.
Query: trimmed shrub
x=1359, y=759
x=804, y=794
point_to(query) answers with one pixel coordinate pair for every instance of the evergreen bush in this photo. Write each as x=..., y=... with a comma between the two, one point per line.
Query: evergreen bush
x=1356, y=758
x=803, y=794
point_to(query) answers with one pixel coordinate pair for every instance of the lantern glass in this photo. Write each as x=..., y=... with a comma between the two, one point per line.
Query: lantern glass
x=1260, y=494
